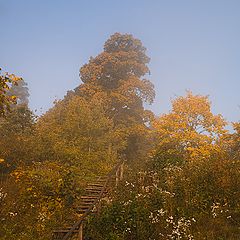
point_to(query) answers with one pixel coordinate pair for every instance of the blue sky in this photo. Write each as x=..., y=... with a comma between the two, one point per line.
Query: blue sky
x=193, y=45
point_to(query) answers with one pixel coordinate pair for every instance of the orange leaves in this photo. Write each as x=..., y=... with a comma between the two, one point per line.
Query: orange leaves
x=116, y=75
x=123, y=57
x=18, y=174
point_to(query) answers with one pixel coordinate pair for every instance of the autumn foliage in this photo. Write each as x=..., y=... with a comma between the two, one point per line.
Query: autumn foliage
x=7, y=81
x=190, y=130
x=182, y=170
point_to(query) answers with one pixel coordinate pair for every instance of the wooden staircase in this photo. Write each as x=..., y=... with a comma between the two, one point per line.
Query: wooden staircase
x=90, y=203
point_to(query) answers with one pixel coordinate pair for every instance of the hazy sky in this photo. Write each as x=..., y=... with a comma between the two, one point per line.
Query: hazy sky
x=192, y=44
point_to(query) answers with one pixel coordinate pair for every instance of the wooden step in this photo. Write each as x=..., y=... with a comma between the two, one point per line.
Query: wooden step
x=88, y=197
x=83, y=205
x=92, y=198
x=64, y=231
x=98, y=185
x=93, y=189
x=94, y=186
x=83, y=208
x=86, y=204
x=90, y=201
x=95, y=193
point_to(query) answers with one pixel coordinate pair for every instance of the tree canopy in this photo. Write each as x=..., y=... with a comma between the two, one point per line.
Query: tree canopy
x=190, y=130
x=118, y=71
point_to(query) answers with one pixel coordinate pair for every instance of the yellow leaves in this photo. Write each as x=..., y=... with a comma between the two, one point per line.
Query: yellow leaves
x=190, y=127
x=2, y=160
x=18, y=174
x=13, y=97
x=6, y=82
x=78, y=130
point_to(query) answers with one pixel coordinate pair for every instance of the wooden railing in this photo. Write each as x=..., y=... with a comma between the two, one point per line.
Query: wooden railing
x=77, y=228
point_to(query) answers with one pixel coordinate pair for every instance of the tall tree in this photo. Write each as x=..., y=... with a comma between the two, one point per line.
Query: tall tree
x=118, y=74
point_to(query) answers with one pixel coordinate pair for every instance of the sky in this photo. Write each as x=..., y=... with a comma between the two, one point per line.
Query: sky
x=193, y=45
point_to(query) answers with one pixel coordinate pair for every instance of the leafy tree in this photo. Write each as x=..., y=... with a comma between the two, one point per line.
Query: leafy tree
x=118, y=70
x=15, y=129
x=6, y=82
x=117, y=74
x=77, y=132
x=20, y=91
x=190, y=131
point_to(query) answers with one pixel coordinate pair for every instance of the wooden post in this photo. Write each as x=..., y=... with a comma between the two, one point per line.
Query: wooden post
x=117, y=177
x=80, y=233
x=99, y=207
x=121, y=172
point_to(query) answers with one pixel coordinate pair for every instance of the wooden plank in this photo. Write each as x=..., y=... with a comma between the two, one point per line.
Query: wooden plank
x=64, y=231
x=88, y=196
x=85, y=206
x=96, y=184
x=80, y=232
x=94, y=192
x=85, y=202
x=94, y=188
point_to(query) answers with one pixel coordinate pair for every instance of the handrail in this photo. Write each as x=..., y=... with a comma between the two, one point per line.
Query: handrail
x=82, y=218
